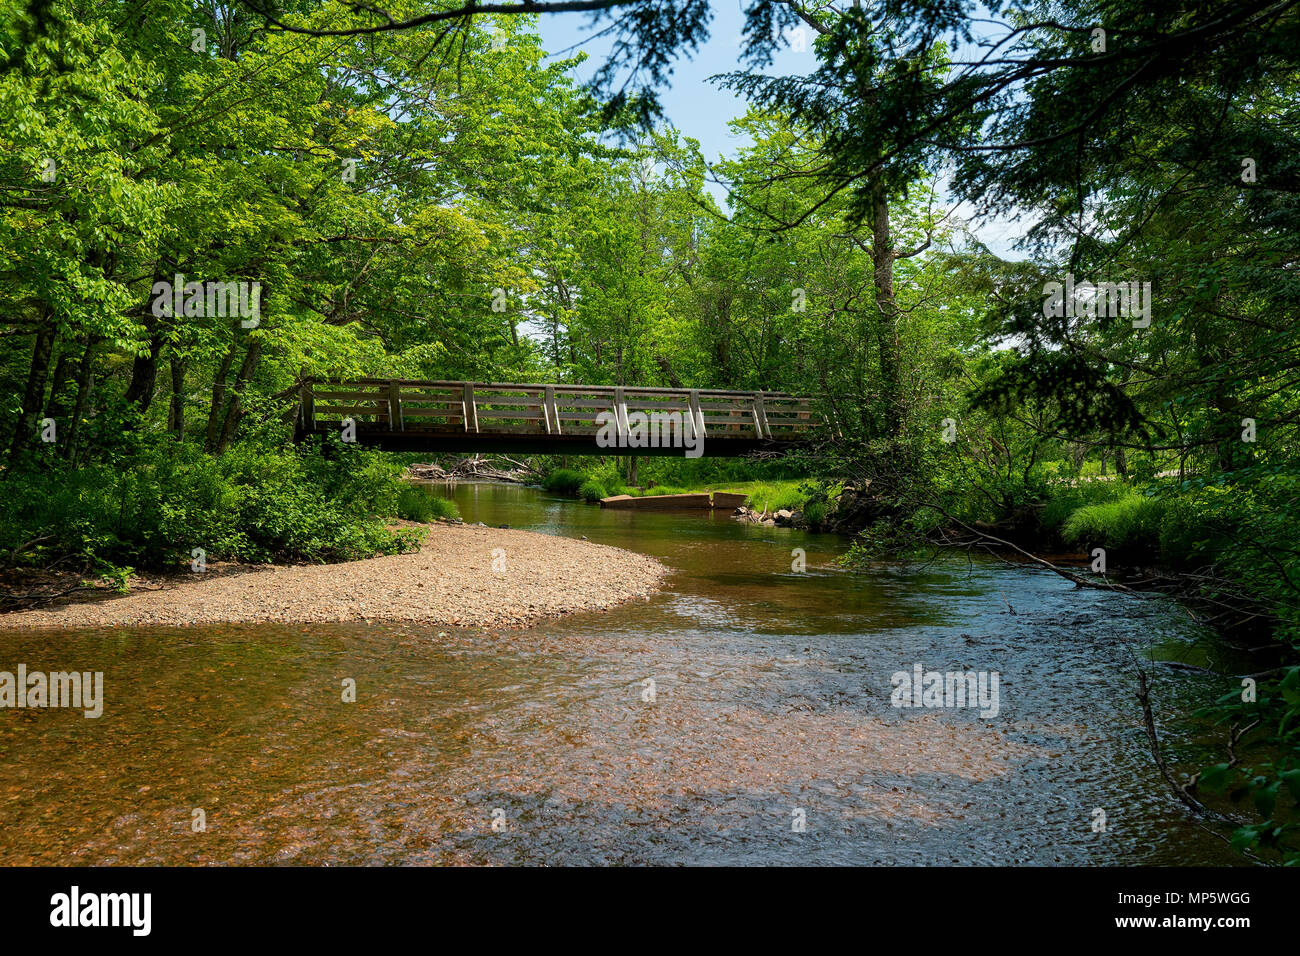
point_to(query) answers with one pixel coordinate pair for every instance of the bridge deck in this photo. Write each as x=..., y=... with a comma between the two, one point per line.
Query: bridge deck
x=404, y=415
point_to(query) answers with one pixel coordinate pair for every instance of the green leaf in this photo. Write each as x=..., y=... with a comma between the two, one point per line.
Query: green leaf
x=1215, y=778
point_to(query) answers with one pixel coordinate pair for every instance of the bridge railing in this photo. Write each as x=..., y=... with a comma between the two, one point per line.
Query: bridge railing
x=494, y=408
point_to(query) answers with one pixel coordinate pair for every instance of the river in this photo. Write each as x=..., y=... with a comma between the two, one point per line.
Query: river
x=770, y=736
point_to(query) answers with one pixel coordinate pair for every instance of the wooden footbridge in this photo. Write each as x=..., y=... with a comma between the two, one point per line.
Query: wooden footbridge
x=402, y=415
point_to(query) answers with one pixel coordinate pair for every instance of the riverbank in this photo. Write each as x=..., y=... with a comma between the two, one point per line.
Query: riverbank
x=462, y=575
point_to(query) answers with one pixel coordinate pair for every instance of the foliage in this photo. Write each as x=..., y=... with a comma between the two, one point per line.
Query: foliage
x=1130, y=524
x=1065, y=498
x=420, y=503
x=563, y=481
x=153, y=510
x=591, y=491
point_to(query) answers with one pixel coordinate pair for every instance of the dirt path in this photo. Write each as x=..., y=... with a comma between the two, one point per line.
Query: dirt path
x=458, y=577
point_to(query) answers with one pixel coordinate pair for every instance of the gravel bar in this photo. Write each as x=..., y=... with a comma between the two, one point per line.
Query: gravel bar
x=458, y=577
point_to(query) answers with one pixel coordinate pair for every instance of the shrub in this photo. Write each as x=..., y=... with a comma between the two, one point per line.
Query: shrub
x=422, y=503
x=563, y=481
x=1192, y=532
x=591, y=491
x=814, y=513
x=253, y=504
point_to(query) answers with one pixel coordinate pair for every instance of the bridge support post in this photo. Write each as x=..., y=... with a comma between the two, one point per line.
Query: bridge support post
x=697, y=416
x=550, y=412
x=620, y=410
x=760, y=417
x=308, y=402
x=395, y=422
x=471, y=413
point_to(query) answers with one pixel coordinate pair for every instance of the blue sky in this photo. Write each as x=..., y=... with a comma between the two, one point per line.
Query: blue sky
x=701, y=109
x=698, y=108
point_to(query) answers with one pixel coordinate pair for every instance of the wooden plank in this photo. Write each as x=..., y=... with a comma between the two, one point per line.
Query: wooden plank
x=628, y=390
x=374, y=394
x=435, y=398
x=372, y=410
x=740, y=405
x=516, y=397
x=486, y=415
x=669, y=414
x=455, y=413
x=605, y=404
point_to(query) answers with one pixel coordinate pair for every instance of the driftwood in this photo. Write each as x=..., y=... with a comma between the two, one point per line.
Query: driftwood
x=477, y=468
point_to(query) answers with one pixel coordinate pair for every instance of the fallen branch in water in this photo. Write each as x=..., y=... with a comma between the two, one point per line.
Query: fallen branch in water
x=1148, y=718
x=1184, y=791
x=1078, y=579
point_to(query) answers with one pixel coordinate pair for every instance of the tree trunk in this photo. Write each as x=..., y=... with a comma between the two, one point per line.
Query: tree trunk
x=236, y=410
x=34, y=396
x=666, y=367
x=55, y=407
x=85, y=379
x=882, y=257
x=1078, y=452
x=144, y=370
x=218, y=406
